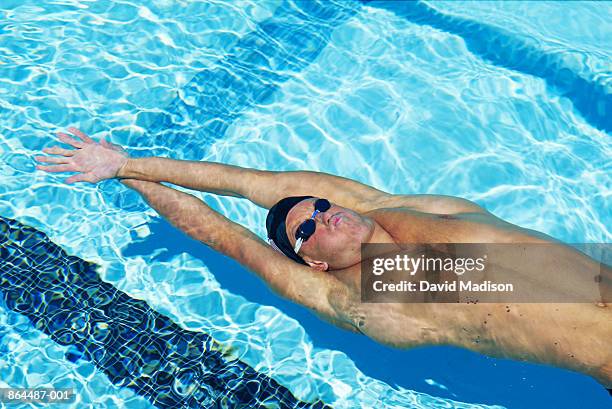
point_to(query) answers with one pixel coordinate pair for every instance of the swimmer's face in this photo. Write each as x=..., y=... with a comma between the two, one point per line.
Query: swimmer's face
x=336, y=242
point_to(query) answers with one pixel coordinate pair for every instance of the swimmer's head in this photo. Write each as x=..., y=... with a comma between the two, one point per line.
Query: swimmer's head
x=336, y=241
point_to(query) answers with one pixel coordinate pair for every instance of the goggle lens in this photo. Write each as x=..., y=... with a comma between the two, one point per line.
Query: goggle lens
x=308, y=227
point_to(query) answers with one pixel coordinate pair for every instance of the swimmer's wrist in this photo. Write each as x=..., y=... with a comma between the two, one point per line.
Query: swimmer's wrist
x=123, y=172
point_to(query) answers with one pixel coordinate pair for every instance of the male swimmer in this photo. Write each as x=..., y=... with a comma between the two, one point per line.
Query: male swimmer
x=319, y=222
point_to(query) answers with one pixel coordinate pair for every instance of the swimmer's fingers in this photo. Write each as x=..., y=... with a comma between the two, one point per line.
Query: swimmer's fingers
x=53, y=159
x=56, y=150
x=112, y=146
x=82, y=177
x=70, y=141
x=57, y=168
x=81, y=135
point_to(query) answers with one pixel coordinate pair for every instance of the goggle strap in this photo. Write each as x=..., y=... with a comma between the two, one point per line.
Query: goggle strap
x=298, y=244
x=274, y=246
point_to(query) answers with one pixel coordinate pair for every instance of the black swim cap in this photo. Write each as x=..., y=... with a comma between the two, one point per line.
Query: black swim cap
x=277, y=231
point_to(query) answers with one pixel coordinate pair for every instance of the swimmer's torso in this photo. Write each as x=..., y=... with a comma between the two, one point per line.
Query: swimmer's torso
x=570, y=335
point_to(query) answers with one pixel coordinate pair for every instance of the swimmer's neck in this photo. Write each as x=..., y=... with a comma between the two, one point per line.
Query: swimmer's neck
x=383, y=236
x=379, y=235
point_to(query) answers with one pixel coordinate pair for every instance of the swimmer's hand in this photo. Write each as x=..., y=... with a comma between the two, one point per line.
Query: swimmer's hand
x=94, y=161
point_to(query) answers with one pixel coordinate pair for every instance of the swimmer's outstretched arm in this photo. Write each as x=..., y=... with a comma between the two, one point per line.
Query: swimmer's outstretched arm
x=102, y=160
x=299, y=283
x=262, y=187
x=265, y=188
x=99, y=161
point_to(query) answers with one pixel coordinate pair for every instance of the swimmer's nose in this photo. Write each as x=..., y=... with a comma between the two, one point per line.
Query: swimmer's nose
x=326, y=217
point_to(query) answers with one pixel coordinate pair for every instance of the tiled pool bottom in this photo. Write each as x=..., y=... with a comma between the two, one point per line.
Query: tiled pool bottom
x=134, y=346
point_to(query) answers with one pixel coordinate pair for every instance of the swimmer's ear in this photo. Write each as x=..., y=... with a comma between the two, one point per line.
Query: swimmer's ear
x=318, y=265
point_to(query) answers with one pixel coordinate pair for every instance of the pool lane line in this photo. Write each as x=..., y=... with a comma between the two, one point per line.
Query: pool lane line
x=135, y=346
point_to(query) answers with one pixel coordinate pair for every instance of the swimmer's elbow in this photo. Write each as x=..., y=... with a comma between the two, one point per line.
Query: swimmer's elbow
x=461, y=205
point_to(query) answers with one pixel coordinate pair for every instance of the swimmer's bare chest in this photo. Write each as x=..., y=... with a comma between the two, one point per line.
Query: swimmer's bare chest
x=405, y=225
x=488, y=328
x=413, y=324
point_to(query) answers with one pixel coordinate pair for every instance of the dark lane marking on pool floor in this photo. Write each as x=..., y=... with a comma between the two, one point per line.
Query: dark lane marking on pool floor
x=248, y=75
x=515, y=52
x=135, y=346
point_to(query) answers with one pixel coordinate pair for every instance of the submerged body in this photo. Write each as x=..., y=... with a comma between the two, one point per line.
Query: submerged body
x=570, y=335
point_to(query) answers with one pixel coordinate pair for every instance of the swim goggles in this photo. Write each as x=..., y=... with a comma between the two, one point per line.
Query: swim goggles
x=308, y=227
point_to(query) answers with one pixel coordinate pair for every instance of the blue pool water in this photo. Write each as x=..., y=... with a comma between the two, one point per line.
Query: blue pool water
x=507, y=104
